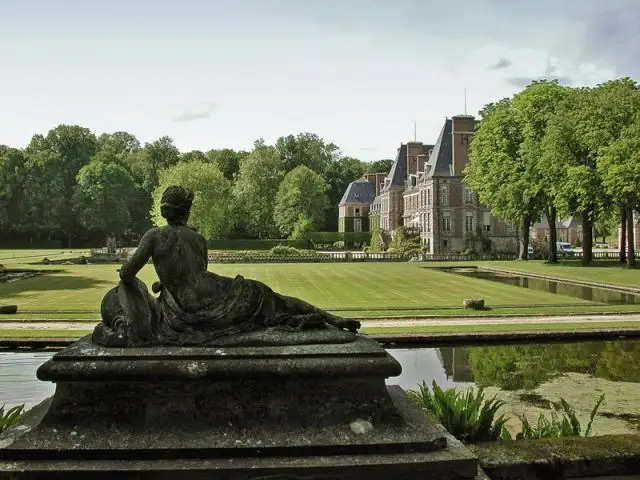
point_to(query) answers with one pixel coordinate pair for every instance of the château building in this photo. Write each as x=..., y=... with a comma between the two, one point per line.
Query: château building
x=424, y=192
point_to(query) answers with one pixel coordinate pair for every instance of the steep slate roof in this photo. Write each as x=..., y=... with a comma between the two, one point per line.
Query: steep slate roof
x=441, y=160
x=572, y=222
x=569, y=222
x=398, y=173
x=359, y=191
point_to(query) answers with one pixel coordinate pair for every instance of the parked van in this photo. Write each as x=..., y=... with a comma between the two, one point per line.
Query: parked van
x=564, y=248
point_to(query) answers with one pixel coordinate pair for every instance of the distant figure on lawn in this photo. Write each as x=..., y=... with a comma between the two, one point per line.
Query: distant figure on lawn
x=195, y=306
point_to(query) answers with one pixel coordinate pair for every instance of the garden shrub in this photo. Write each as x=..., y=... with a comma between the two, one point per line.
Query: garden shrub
x=10, y=417
x=284, y=251
x=564, y=425
x=467, y=415
x=470, y=417
x=413, y=252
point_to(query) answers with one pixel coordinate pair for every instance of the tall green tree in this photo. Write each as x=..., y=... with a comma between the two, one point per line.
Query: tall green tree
x=255, y=191
x=499, y=174
x=12, y=176
x=123, y=143
x=194, y=155
x=162, y=153
x=102, y=197
x=306, y=149
x=61, y=155
x=579, y=189
x=379, y=166
x=589, y=121
x=211, y=212
x=301, y=197
x=619, y=167
x=614, y=107
x=40, y=199
x=228, y=161
x=535, y=106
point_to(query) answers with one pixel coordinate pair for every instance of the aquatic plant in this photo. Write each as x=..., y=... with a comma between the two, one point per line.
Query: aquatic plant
x=563, y=423
x=10, y=417
x=467, y=415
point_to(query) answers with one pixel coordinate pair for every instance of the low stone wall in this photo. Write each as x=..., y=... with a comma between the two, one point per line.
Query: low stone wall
x=560, y=458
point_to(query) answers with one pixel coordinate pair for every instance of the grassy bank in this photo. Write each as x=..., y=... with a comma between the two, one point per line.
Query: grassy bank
x=602, y=271
x=367, y=289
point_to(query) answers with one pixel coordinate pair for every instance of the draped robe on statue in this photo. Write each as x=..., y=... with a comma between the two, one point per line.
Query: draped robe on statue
x=196, y=306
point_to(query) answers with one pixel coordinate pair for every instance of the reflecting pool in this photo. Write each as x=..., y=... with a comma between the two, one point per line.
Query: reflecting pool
x=529, y=378
x=584, y=292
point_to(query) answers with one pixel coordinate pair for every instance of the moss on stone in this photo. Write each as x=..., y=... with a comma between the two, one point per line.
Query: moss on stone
x=608, y=454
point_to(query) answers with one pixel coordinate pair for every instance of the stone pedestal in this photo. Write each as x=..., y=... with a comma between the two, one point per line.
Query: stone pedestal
x=312, y=411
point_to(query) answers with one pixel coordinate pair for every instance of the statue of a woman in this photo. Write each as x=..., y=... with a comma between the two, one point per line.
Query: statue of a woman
x=195, y=306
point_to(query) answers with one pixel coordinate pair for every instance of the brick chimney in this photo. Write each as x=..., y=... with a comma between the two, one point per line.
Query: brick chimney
x=463, y=128
x=414, y=149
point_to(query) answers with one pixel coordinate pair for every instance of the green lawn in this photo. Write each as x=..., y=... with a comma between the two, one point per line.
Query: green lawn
x=410, y=288
x=603, y=271
x=15, y=257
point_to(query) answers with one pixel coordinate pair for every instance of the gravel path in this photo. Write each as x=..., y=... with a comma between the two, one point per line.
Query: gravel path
x=416, y=322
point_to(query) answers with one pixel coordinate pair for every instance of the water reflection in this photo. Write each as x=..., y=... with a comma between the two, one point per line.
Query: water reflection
x=506, y=367
x=18, y=382
x=513, y=367
x=430, y=364
x=518, y=367
x=595, y=294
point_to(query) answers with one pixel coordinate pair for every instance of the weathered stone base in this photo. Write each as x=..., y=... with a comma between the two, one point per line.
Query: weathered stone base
x=268, y=412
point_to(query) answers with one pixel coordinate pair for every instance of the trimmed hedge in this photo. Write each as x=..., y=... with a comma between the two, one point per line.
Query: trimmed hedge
x=318, y=238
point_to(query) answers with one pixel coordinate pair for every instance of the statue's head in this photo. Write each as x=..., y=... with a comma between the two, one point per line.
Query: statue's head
x=176, y=205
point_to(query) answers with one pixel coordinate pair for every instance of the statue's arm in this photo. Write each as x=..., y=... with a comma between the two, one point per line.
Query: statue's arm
x=139, y=258
x=205, y=252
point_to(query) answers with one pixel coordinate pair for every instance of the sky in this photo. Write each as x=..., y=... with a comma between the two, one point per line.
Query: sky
x=359, y=73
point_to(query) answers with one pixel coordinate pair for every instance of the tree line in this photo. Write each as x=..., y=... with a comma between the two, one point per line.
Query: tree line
x=75, y=186
x=551, y=151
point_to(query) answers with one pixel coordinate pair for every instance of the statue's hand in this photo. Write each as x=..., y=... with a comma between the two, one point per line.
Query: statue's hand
x=348, y=324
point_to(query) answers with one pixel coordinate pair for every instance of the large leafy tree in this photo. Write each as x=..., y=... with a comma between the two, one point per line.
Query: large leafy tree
x=306, y=149
x=588, y=122
x=12, y=176
x=103, y=196
x=162, y=153
x=535, y=106
x=228, y=161
x=59, y=157
x=619, y=167
x=378, y=166
x=193, y=155
x=122, y=143
x=609, y=120
x=39, y=200
x=255, y=190
x=577, y=184
x=211, y=212
x=497, y=172
x=301, y=198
